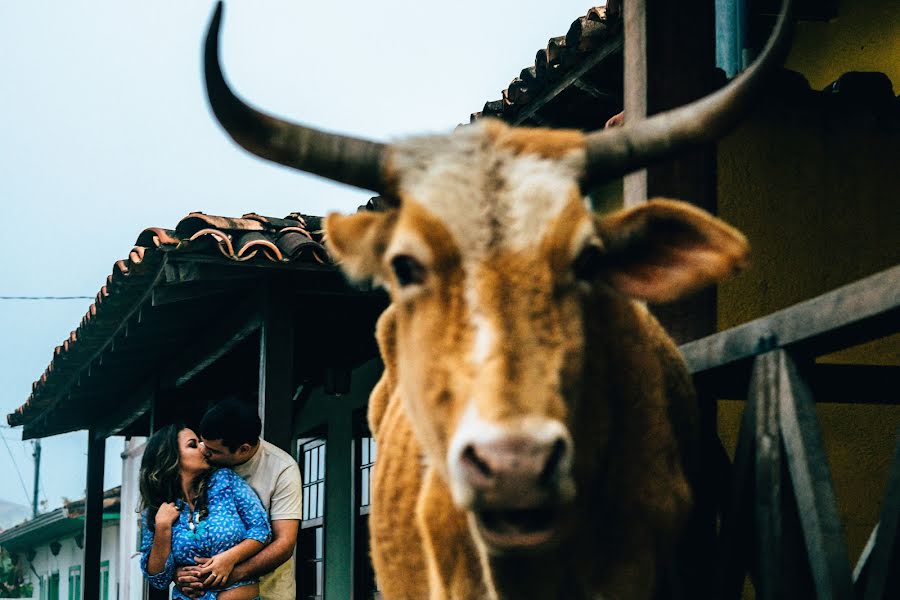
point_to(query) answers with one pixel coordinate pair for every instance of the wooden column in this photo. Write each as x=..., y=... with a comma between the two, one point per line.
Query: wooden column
x=670, y=61
x=93, y=516
x=634, y=16
x=276, y=365
x=340, y=509
x=161, y=414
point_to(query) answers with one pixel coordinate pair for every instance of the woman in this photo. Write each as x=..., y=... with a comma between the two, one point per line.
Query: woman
x=191, y=510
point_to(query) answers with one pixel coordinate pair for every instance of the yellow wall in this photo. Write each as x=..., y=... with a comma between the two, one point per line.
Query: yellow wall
x=865, y=36
x=817, y=195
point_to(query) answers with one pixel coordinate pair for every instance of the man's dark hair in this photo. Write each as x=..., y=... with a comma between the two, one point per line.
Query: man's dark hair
x=232, y=421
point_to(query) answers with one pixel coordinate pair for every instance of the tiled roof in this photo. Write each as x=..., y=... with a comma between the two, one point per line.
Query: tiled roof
x=576, y=81
x=112, y=501
x=252, y=236
x=289, y=242
x=56, y=524
x=591, y=38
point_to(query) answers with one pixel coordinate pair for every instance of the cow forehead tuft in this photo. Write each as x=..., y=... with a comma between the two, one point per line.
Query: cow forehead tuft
x=489, y=196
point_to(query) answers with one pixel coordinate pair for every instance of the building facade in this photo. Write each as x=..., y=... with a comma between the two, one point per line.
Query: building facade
x=49, y=550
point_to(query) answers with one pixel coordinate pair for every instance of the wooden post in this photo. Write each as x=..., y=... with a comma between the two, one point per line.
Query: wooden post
x=635, y=92
x=161, y=414
x=340, y=509
x=276, y=365
x=93, y=515
x=670, y=61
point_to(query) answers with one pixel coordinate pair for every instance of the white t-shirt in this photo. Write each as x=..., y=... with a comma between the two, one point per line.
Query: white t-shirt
x=275, y=477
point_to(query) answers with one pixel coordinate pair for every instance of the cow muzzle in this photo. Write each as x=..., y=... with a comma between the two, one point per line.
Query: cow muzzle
x=515, y=480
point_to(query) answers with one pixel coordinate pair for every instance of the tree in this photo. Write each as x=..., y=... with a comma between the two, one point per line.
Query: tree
x=12, y=580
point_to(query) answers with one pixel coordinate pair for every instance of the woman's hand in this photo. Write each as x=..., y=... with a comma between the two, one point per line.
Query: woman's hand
x=167, y=514
x=217, y=569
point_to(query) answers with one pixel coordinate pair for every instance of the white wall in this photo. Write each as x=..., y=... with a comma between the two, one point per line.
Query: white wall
x=131, y=581
x=45, y=563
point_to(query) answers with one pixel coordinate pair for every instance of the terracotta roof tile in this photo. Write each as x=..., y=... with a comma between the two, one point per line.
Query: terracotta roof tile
x=250, y=243
x=295, y=240
x=251, y=238
x=196, y=221
x=209, y=238
x=154, y=237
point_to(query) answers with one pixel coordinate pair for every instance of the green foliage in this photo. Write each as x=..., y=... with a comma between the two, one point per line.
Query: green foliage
x=12, y=580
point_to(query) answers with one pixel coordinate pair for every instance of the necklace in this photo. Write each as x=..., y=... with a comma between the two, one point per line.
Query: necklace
x=194, y=520
x=194, y=524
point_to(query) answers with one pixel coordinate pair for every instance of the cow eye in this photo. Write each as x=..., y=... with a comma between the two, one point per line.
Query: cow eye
x=408, y=270
x=587, y=264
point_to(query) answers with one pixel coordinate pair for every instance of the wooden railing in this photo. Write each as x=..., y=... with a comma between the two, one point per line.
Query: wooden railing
x=778, y=520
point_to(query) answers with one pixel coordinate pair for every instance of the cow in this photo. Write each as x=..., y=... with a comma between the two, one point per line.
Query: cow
x=534, y=420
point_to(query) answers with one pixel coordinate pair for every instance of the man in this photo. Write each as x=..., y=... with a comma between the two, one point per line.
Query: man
x=230, y=436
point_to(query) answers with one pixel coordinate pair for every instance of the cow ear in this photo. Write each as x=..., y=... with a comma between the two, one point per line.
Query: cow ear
x=664, y=249
x=358, y=241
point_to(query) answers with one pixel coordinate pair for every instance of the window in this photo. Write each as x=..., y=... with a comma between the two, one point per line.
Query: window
x=104, y=580
x=365, y=451
x=313, y=482
x=368, y=450
x=75, y=583
x=311, y=541
x=53, y=587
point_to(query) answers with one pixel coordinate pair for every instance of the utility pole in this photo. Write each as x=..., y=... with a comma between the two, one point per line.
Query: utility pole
x=37, y=476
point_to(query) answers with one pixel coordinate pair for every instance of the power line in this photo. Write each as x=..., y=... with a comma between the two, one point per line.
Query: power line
x=47, y=297
x=16, y=466
x=41, y=482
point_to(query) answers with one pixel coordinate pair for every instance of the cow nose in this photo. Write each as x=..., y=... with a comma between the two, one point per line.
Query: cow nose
x=513, y=468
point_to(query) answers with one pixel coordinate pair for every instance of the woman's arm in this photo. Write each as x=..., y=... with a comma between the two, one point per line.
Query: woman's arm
x=158, y=557
x=157, y=562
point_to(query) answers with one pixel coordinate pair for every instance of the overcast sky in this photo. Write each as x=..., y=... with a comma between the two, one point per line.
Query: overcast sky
x=104, y=131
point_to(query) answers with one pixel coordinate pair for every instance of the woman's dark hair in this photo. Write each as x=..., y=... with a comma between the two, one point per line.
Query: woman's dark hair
x=160, y=477
x=232, y=421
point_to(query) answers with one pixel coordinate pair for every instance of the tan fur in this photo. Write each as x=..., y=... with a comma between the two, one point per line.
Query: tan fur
x=584, y=354
x=547, y=143
x=358, y=240
x=381, y=393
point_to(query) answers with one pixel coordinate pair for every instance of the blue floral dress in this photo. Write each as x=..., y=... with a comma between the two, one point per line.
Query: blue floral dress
x=235, y=514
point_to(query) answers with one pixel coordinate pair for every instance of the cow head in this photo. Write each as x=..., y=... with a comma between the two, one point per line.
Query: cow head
x=499, y=273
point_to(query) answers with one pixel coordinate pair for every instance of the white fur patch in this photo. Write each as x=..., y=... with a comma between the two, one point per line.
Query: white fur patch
x=489, y=197
x=469, y=424
x=485, y=337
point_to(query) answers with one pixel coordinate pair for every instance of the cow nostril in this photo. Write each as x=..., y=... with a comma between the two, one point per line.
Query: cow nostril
x=551, y=467
x=471, y=457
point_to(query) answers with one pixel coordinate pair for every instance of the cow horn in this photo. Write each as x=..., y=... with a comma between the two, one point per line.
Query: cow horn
x=341, y=158
x=622, y=150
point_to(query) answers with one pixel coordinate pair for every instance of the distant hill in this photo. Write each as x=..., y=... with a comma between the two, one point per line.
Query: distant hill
x=12, y=514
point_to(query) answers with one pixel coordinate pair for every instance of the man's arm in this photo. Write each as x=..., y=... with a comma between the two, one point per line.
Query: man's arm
x=285, y=512
x=284, y=539
x=272, y=556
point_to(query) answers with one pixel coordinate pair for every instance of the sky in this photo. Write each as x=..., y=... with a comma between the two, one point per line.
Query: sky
x=104, y=131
